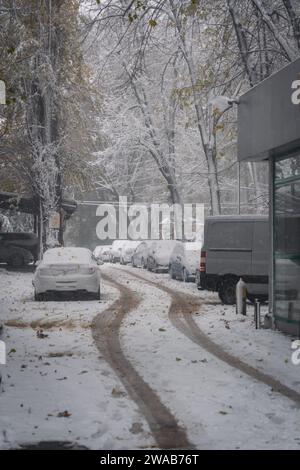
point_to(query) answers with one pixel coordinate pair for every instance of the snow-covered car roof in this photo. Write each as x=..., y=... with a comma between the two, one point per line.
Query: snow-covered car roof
x=67, y=255
x=118, y=244
x=106, y=248
x=131, y=244
x=164, y=245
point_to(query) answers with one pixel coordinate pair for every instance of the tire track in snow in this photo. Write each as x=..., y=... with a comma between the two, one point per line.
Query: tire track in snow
x=105, y=330
x=180, y=314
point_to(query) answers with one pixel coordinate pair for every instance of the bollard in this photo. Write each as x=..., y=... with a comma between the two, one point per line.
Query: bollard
x=241, y=297
x=257, y=314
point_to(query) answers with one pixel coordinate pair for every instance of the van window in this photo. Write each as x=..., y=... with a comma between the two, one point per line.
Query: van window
x=230, y=235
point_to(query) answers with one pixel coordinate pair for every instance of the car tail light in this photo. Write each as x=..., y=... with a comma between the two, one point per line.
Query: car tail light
x=203, y=262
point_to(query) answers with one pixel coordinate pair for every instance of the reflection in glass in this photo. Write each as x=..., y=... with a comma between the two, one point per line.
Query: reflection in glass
x=287, y=240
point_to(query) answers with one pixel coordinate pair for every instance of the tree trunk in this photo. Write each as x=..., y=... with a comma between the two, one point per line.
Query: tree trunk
x=213, y=183
x=249, y=63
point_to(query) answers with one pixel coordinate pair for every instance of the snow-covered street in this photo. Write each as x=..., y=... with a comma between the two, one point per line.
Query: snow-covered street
x=57, y=387
x=154, y=363
x=149, y=229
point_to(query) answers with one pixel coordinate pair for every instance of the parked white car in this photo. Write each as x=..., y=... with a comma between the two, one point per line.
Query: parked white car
x=67, y=270
x=140, y=254
x=184, y=261
x=159, y=255
x=97, y=253
x=102, y=253
x=127, y=251
x=116, y=248
x=105, y=253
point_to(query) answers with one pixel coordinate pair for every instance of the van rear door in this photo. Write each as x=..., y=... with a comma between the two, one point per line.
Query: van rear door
x=229, y=247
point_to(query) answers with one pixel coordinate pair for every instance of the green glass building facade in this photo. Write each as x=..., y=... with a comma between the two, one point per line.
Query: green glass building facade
x=286, y=242
x=269, y=129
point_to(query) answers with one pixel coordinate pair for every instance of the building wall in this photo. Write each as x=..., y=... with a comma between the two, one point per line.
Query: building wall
x=286, y=242
x=269, y=116
x=269, y=129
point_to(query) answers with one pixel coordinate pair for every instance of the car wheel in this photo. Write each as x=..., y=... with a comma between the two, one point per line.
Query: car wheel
x=227, y=290
x=184, y=275
x=38, y=297
x=16, y=261
x=171, y=274
x=98, y=295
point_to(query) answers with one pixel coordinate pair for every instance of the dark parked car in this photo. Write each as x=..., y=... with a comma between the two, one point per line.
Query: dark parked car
x=184, y=261
x=159, y=254
x=18, y=249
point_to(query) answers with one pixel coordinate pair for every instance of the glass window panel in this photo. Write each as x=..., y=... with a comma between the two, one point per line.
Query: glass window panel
x=287, y=168
x=287, y=239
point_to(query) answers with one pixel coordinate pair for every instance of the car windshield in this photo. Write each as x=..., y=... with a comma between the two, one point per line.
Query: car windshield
x=67, y=255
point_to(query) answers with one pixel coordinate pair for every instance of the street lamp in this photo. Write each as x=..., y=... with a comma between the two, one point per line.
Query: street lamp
x=222, y=104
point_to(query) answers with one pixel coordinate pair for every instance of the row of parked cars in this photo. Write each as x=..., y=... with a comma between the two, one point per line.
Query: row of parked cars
x=180, y=259
x=233, y=247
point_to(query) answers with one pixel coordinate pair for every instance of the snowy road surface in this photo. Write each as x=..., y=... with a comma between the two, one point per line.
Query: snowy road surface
x=155, y=363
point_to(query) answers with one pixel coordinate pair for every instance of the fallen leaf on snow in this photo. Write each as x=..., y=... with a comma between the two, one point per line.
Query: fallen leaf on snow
x=117, y=393
x=40, y=334
x=136, y=428
x=63, y=414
